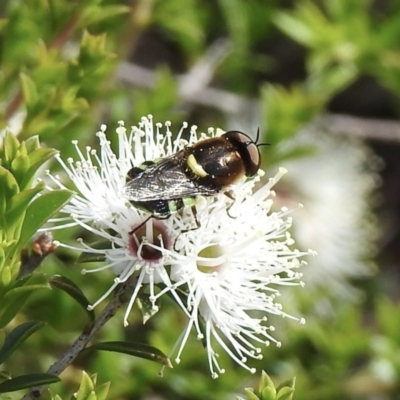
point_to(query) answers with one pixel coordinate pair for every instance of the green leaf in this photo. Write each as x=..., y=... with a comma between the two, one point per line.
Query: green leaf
x=9, y=188
x=250, y=394
x=102, y=391
x=287, y=110
x=69, y=287
x=27, y=381
x=285, y=394
x=8, y=184
x=5, y=276
x=2, y=257
x=295, y=28
x=19, y=203
x=95, y=14
x=85, y=388
x=39, y=156
x=37, y=159
x=387, y=313
x=29, y=91
x=268, y=393
x=26, y=288
x=286, y=389
x=32, y=143
x=134, y=349
x=17, y=336
x=16, y=297
x=238, y=27
x=20, y=166
x=181, y=20
x=10, y=148
x=40, y=210
x=266, y=382
x=2, y=337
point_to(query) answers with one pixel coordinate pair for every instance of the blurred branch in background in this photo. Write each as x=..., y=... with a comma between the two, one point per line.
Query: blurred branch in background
x=231, y=103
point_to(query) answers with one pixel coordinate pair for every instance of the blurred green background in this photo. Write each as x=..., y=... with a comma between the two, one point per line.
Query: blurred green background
x=322, y=81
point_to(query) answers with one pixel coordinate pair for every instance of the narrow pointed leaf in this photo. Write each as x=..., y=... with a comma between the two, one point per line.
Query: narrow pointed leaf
x=18, y=336
x=86, y=387
x=40, y=210
x=266, y=382
x=10, y=147
x=32, y=143
x=17, y=296
x=40, y=156
x=285, y=394
x=20, y=166
x=19, y=203
x=268, y=393
x=69, y=287
x=29, y=91
x=27, y=381
x=286, y=390
x=37, y=158
x=134, y=349
x=9, y=186
x=250, y=394
x=102, y=391
x=290, y=383
x=12, y=310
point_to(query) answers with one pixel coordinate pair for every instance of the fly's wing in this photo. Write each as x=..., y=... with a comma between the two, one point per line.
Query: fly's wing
x=164, y=180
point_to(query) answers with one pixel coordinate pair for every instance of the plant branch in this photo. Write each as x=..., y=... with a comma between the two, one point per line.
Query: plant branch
x=235, y=105
x=82, y=341
x=41, y=247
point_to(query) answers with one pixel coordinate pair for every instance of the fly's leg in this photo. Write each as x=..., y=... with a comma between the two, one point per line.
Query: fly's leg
x=140, y=225
x=233, y=198
x=198, y=225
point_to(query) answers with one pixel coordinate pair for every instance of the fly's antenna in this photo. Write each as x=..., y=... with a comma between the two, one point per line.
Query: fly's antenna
x=257, y=138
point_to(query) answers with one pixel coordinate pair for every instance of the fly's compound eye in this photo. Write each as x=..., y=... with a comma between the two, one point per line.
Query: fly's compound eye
x=247, y=149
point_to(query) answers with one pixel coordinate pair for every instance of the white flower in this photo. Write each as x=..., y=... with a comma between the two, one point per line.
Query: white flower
x=233, y=267
x=230, y=267
x=335, y=181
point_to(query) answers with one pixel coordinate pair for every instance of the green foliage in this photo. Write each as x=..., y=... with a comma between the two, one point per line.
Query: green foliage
x=286, y=111
x=57, y=62
x=27, y=381
x=22, y=211
x=69, y=287
x=267, y=391
x=88, y=389
x=53, y=87
x=344, y=40
x=17, y=336
x=134, y=349
x=181, y=21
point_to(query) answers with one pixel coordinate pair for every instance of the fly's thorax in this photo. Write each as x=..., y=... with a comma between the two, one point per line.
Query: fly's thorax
x=215, y=163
